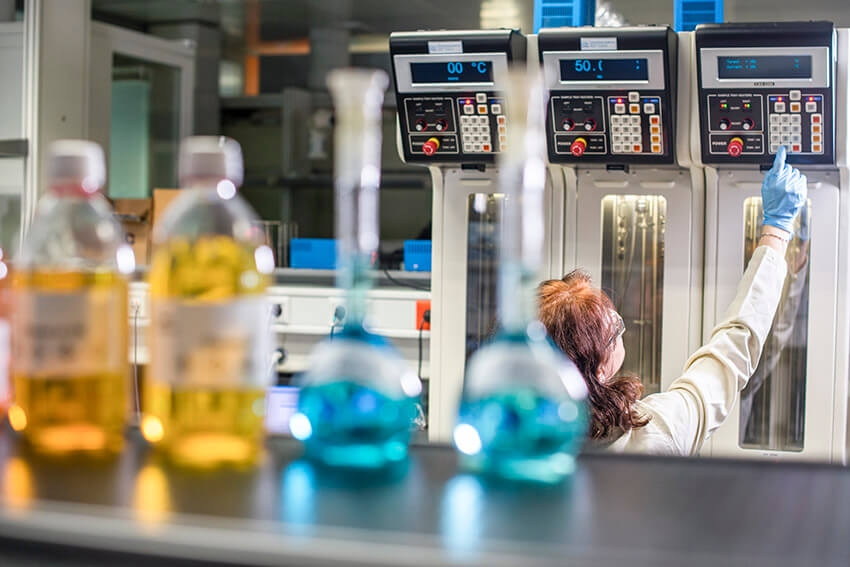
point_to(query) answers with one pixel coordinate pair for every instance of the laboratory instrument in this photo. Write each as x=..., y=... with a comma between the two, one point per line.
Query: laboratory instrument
x=357, y=402
x=617, y=138
x=451, y=119
x=523, y=411
x=69, y=328
x=761, y=87
x=209, y=334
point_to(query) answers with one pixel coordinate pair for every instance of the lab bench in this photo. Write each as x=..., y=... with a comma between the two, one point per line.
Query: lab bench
x=615, y=510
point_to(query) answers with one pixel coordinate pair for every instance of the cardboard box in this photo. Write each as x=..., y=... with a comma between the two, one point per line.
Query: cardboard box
x=162, y=198
x=136, y=217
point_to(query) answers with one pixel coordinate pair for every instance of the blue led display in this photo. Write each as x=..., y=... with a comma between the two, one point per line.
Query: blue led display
x=764, y=67
x=604, y=70
x=452, y=72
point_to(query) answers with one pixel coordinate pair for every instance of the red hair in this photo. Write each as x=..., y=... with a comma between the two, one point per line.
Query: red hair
x=578, y=318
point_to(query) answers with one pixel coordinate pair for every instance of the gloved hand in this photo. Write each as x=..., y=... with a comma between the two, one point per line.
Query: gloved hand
x=783, y=192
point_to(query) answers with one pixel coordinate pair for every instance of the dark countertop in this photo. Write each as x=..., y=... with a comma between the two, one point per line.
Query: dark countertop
x=615, y=510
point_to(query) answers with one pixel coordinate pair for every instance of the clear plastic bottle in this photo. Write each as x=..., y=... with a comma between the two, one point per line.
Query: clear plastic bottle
x=523, y=411
x=210, y=334
x=357, y=402
x=70, y=363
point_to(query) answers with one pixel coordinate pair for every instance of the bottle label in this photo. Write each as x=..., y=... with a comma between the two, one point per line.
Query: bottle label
x=211, y=345
x=67, y=335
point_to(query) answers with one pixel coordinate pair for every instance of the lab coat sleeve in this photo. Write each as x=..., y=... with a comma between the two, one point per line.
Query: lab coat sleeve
x=698, y=402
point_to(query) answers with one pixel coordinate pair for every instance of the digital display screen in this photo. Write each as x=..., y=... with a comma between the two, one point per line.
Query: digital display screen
x=452, y=72
x=604, y=70
x=764, y=67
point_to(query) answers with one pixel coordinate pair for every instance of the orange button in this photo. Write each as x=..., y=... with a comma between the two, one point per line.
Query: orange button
x=486, y=147
x=816, y=138
x=816, y=119
x=637, y=147
x=501, y=120
x=795, y=107
x=654, y=120
x=795, y=148
x=816, y=148
x=815, y=128
x=655, y=129
x=656, y=139
x=656, y=148
x=503, y=129
x=634, y=108
x=482, y=109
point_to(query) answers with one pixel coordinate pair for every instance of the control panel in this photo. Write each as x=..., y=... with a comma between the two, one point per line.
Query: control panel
x=448, y=85
x=612, y=94
x=763, y=86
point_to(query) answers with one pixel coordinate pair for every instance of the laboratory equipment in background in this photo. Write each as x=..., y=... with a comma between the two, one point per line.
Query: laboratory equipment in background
x=523, y=413
x=142, y=88
x=210, y=338
x=617, y=135
x=357, y=402
x=451, y=119
x=70, y=325
x=762, y=86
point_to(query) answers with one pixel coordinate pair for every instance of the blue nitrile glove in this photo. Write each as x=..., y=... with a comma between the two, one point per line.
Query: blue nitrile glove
x=783, y=192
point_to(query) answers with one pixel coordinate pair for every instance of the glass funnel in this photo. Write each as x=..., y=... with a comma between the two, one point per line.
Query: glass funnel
x=523, y=411
x=357, y=402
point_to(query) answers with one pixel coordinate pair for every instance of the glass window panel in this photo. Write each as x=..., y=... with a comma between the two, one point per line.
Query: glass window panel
x=773, y=404
x=633, y=275
x=144, y=127
x=485, y=213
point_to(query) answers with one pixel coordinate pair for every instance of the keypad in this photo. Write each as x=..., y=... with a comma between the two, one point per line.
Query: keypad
x=796, y=125
x=479, y=122
x=636, y=132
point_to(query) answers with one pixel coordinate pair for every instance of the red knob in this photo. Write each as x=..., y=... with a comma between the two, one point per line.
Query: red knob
x=747, y=124
x=568, y=124
x=430, y=147
x=441, y=125
x=578, y=146
x=735, y=147
x=421, y=125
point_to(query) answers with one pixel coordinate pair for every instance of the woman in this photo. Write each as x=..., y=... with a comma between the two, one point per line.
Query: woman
x=582, y=321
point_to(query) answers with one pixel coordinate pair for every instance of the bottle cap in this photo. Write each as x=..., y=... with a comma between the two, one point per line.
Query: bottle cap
x=76, y=162
x=210, y=157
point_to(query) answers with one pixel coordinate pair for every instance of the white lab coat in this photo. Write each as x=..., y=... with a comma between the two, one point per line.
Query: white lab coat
x=697, y=403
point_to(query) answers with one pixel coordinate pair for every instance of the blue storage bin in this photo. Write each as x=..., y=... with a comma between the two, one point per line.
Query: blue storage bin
x=312, y=253
x=417, y=255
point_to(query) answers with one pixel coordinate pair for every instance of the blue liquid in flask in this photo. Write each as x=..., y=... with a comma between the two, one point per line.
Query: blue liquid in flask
x=358, y=403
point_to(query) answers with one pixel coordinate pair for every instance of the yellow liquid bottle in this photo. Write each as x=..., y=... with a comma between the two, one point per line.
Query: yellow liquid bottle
x=70, y=325
x=210, y=335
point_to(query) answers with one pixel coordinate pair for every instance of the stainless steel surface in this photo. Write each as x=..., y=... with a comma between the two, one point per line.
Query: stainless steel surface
x=633, y=275
x=615, y=510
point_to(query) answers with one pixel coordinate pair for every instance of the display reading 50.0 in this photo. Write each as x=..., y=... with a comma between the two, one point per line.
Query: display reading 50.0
x=452, y=72
x=604, y=70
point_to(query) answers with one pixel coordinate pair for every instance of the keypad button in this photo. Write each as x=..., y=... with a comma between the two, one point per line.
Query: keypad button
x=634, y=109
x=496, y=108
x=636, y=148
x=779, y=107
x=655, y=129
x=468, y=109
x=774, y=148
x=634, y=120
x=795, y=147
x=817, y=148
x=634, y=96
x=481, y=97
x=811, y=107
x=627, y=149
x=775, y=138
x=656, y=148
x=774, y=118
x=795, y=119
x=794, y=106
x=655, y=139
x=786, y=128
x=486, y=147
x=795, y=139
x=795, y=128
x=794, y=95
x=655, y=120
x=503, y=130
x=618, y=148
x=636, y=140
x=786, y=119
x=649, y=108
x=816, y=118
x=785, y=140
x=503, y=139
x=620, y=108
x=482, y=109
x=816, y=138
x=815, y=128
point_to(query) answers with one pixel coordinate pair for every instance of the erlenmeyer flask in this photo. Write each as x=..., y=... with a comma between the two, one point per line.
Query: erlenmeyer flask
x=523, y=411
x=358, y=400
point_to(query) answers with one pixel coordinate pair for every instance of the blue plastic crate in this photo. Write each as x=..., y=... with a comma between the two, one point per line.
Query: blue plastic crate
x=417, y=255
x=312, y=253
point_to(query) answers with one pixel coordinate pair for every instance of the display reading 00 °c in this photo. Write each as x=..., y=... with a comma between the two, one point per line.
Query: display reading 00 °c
x=452, y=72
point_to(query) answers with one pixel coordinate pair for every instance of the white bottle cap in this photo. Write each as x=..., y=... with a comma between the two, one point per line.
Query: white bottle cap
x=210, y=157
x=76, y=162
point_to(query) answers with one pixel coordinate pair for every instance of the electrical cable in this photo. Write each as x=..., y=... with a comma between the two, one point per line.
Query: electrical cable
x=404, y=284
